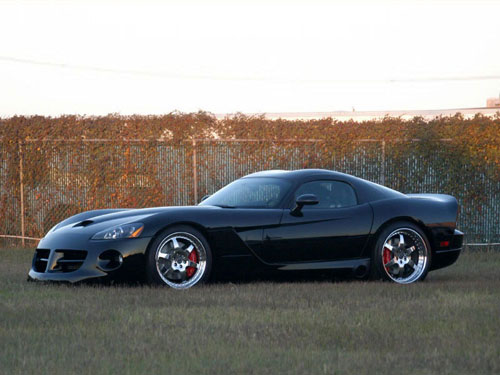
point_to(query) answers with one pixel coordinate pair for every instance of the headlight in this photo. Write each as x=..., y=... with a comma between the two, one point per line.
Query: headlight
x=120, y=231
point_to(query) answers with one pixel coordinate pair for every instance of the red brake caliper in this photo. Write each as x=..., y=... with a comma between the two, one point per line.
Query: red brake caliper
x=193, y=257
x=387, y=256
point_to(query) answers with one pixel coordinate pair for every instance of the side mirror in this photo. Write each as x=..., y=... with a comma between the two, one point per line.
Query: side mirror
x=304, y=200
x=204, y=197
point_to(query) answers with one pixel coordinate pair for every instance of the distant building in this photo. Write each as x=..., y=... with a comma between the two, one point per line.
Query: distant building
x=493, y=102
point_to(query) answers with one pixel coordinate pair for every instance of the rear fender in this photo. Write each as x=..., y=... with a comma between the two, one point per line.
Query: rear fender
x=436, y=214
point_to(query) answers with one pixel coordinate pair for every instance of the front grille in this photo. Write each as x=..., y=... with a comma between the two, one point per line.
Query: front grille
x=41, y=259
x=59, y=260
x=68, y=260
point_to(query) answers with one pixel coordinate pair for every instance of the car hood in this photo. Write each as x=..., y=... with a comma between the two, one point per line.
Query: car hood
x=91, y=222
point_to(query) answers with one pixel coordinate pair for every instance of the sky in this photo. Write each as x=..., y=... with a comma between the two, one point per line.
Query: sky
x=154, y=57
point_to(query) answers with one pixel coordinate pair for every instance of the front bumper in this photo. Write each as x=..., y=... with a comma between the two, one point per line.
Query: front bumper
x=445, y=257
x=81, y=261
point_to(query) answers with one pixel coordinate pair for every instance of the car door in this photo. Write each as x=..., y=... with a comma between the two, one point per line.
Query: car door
x=334, y=229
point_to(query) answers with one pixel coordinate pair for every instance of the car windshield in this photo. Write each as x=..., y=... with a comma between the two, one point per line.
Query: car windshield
x=255, y=192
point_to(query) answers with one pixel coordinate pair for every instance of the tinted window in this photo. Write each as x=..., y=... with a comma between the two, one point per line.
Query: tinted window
x=250, y=193
x=331, y=194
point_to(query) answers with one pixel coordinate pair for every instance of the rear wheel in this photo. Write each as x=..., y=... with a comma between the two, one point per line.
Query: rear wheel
x=180, y=258
x=402, y=254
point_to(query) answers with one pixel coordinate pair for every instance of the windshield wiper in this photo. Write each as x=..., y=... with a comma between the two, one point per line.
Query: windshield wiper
x=224, y=206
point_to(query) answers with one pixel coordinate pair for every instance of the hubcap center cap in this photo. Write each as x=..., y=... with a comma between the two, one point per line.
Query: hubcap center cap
x=179, y=261
x=402, y=260
x=179, y=265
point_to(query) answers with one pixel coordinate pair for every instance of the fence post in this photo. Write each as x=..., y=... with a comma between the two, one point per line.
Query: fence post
x=383, y=163
x=21, y=189
x=195, y=174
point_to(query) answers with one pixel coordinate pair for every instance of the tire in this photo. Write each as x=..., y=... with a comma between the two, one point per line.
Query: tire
x=402, y=264
x=180, y=257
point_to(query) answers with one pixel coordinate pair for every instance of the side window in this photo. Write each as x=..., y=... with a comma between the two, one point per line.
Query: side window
x=331, y=194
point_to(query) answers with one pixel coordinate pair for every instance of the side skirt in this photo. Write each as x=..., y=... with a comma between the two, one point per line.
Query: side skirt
x=354, y=264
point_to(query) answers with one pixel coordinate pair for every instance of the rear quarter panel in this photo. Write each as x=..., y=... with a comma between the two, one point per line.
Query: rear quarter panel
x=436, y=214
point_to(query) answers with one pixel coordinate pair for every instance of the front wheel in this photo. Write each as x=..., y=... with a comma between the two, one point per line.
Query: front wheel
x=180, y=257
x=402, y=254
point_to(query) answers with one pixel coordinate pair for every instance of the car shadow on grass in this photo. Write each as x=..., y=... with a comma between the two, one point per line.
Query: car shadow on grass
x=242, y=279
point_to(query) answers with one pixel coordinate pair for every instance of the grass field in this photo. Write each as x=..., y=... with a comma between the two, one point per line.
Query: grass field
x=449, y=324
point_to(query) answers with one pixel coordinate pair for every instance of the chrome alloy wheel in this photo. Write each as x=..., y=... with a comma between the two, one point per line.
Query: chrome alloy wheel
x=404, y=255
x=181, y=260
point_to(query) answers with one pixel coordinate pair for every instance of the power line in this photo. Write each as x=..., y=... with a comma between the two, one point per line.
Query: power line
x=240, y=78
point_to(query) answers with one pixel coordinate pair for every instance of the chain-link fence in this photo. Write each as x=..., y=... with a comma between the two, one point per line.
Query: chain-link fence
x=45, y=181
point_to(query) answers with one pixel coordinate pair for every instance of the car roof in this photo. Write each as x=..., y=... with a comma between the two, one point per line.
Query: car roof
x=299, y=174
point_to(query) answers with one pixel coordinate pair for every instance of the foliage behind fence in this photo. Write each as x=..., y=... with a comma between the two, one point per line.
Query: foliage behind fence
x=54, y=167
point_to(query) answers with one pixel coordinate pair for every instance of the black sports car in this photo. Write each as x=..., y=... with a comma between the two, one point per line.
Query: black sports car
x=304, y=220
